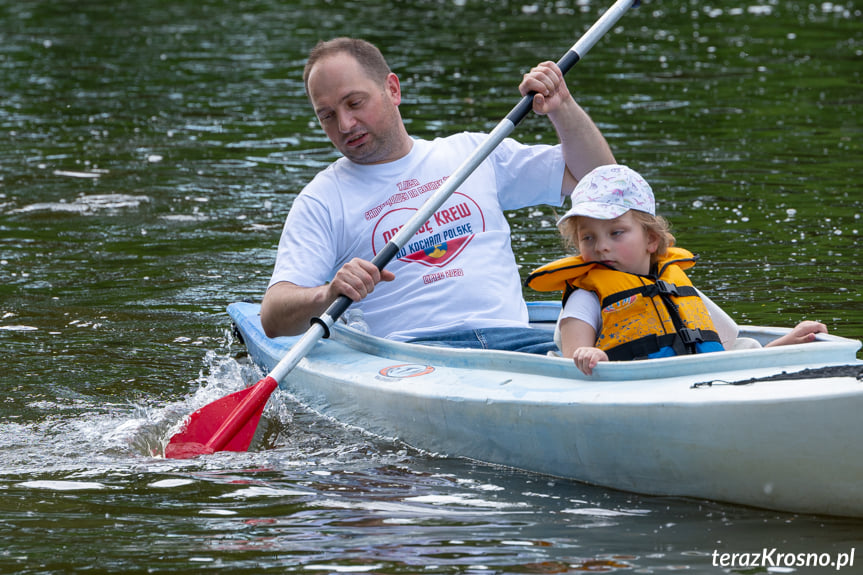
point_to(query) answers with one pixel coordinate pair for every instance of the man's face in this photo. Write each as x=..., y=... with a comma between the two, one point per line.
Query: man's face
x=359, y=116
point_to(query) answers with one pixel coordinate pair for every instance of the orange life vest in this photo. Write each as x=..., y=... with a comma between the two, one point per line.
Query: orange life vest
x=656, y=315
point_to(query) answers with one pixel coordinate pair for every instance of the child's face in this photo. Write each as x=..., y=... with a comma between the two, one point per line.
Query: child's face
x=622, y=243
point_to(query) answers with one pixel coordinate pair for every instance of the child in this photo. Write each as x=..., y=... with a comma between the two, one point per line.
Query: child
x=627, y=261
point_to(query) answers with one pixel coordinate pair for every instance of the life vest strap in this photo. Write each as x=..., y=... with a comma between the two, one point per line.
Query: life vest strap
x=660, y=288
x=664, y=288
x=683, y=343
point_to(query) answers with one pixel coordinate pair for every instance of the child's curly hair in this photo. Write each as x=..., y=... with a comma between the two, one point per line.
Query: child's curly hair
x=655, y=226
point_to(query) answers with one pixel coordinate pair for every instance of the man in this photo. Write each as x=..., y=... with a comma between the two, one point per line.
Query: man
x=456, y=281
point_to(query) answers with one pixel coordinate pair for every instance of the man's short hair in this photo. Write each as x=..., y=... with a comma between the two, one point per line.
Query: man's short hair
x=366, y=53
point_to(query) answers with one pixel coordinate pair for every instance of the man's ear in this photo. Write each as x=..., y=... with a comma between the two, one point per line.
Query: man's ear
x=394, y=89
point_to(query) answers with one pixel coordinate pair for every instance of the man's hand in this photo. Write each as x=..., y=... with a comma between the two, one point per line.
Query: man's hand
x=546, y=80
x=287, y=309
x=357, y=279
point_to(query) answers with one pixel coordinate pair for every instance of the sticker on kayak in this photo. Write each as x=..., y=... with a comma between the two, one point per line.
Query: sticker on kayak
x=406, y=370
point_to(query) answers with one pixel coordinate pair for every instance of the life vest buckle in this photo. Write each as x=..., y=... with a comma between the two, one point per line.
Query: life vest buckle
x=667, y=288
x=690, y=336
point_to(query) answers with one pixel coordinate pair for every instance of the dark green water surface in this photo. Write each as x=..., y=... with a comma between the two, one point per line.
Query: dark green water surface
x=149, y=152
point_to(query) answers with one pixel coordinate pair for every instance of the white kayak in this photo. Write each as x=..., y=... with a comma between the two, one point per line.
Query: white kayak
x=776, y=428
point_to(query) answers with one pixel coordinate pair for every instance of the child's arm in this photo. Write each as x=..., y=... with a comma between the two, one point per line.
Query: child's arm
x=577, y=338
x=803, y=332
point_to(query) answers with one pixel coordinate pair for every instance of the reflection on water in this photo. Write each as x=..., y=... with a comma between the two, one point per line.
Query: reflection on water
x=150, y=153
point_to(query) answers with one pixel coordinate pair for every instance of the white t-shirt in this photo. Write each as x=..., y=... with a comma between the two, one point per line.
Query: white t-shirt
x=458, y=271
x=584, y=305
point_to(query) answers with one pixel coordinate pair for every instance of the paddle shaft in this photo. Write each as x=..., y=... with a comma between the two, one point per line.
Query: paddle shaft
x=321, y=325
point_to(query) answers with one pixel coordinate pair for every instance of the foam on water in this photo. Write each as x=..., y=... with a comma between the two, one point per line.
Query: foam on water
x=62, y=485
x=87, y=204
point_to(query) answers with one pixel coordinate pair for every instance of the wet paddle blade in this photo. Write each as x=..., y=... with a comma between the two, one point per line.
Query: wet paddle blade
x=227, y=424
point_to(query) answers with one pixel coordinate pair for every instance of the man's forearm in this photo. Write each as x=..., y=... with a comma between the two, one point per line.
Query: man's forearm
x=584, y=147
x=287, y=309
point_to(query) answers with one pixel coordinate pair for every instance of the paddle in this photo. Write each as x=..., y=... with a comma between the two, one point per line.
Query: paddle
x=230, y=423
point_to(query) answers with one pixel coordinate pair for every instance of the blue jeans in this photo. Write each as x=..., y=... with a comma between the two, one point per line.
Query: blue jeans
x=523, y=339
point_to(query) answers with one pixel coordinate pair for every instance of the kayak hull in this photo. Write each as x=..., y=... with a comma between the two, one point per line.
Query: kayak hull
x=672, y=426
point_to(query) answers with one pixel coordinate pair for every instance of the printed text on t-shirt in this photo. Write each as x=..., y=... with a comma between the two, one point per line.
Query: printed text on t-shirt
x=405, y=195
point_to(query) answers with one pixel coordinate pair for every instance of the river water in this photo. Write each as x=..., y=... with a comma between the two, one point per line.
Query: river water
x=150, y=151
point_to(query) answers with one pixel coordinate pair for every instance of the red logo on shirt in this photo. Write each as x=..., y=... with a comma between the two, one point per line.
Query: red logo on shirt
x=441, y=239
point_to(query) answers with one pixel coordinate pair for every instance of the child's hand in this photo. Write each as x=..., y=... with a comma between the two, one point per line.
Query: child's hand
x=586, y=358
x=803, y=332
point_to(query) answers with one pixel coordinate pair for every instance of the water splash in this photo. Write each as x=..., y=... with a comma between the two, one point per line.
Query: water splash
x=224, y=375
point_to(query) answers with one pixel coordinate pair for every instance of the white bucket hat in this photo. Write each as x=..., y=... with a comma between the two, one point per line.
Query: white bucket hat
x=608, y=192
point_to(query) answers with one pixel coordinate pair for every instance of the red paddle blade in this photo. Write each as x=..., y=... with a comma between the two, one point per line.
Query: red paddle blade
x=227, y=424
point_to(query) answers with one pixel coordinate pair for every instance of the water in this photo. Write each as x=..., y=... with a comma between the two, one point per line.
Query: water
x=150, y=151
